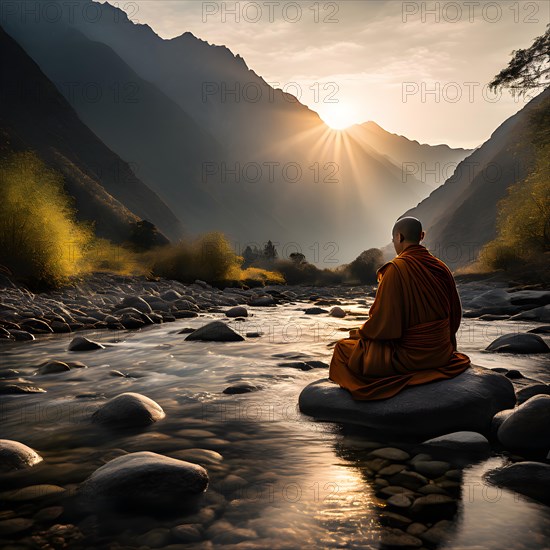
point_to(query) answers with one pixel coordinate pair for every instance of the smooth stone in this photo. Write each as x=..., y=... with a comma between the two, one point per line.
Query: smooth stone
x=170, y=295
x=432, y=507
x=190, y=532
x=525, y=342
x=545, y=329
x=32, y=492
x=464, y=442
x=528, y=427
x=438, y=533
x=80, y=343
x=315, y=311
x=145, y=480
x=390, y=453
x=337, y=311
x=262, y=301
x=391, y=470
x=408, y=479
x=21, y=335
x=48, y=514
x=243, y=387
x=514, y=374
x=16, y=456
x=237, y=311
x=136, y=302
x=391, y=519
x=53, y=367
x=471, y=400
x=13, y=389
x=431, y=468
x=15, y=525
x=399, y=501
x=216, y=331
x=530, y=297
x=416, y=529
x=527, y=478
x=432, y=489
x=527, y=392
x=376, y=464
x=541, y=314
x=128, y=410
x=392, y=490
x=397, y=539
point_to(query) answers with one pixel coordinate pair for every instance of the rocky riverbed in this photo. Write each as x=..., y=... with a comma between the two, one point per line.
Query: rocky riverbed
x=139, y=413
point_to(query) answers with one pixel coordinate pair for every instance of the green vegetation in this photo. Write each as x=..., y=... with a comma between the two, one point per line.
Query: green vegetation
x=523, y=223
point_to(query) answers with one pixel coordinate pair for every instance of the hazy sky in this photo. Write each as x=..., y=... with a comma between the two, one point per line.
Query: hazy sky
x=358, y=60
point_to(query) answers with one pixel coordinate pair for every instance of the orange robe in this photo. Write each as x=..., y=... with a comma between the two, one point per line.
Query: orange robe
x=410, y=336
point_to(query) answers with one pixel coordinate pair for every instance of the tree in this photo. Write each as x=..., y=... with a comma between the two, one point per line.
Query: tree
x=298, y=258
x=364, y=267
x=529, y=68
x=270, y=253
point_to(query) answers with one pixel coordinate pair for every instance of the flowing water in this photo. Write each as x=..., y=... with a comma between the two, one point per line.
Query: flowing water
x=284, y=481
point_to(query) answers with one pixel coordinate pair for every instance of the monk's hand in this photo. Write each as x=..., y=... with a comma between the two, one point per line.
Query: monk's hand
x=354, y=334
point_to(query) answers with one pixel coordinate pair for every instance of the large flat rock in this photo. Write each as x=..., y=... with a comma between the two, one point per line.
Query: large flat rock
x=466, y=402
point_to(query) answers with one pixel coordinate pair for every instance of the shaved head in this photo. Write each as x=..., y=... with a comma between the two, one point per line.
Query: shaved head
x=410, y=228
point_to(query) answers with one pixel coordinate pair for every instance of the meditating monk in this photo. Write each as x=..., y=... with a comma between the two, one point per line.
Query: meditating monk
x=410, y=336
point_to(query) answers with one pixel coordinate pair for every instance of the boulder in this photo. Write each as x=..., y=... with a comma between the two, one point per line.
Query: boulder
x=237, y=311
x=544, y=329
x=541, y=314
x=458, y=443
x=525, y=342
x=259, y=301
x=53, y=367
x=243, y=387
x=466, y=402
x=527, y=392
x=528, y=427
x=216, y=331
x=527, y=478
x=530, y=297
x=144, y=480
x=80, y=343
x=315, y=311
x=128, y=410
x=16, y=456
x=136, y=302
x=337, y=311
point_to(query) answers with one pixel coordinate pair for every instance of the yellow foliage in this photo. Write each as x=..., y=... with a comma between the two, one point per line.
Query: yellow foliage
x=40, y=241
x=103, y=255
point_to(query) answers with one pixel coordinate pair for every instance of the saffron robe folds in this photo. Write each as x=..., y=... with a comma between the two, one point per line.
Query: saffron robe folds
x=410, y=336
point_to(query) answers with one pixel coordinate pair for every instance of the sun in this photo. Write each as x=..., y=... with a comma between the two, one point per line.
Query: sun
x=337, y=117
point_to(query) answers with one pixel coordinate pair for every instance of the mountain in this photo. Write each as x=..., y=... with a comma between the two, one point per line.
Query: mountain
x=460, y=216
x=257, y=166
x=431, y=164
x=34, y=115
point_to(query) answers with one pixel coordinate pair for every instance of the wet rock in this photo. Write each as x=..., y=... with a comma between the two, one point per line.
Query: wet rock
x=471, y=400
x=541, y=314
x=315, y=311
x=242, y=387
x=14, y=389
x=433, y=507
x=399, y=501
x=463, y=442
x=16, y=456
x=528, y=427
x=216, y=331
x=21, y=335
x=237, y=311
x=260, y=301
x=32, y=492
x=187, y=532
x=391, y=519
x=170, y=295
x=519, y=343
x=431, y=468
x=530, y=297
x=37, y=326
x=390, y=453
x=53, y=367
x=136, y=302
x=416, y=529
x=438, y=533
x=391, y=470
x=395, y=538
x=527, y=478
x=409, y=480
x=80, y=343
x=545, y=329
x=145, y=480
x=527, y=392
x=15, y=525
x=128, y=410
x=338, y=312
x=513, y=374
x=498, y=419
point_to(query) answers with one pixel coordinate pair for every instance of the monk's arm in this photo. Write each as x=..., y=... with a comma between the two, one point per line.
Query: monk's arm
x=387, y=311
